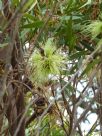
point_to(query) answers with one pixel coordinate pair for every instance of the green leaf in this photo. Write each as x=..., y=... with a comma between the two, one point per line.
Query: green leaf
x=70, y=35
x=29, y=5
x=36, y=24
x=29, y=16
x=87, y=3
x=15, y=2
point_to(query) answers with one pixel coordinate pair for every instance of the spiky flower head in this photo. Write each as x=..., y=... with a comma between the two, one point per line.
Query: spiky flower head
x=95, y=28
x=49, y=63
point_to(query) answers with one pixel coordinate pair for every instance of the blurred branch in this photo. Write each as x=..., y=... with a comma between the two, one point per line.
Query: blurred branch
x=14, y=15
x=23, y=117
x=92, y=128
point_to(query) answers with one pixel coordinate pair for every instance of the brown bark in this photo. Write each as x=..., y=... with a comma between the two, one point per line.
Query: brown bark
x=12, y=55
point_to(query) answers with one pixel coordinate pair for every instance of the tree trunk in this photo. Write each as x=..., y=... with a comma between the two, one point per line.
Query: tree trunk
x=11, y=95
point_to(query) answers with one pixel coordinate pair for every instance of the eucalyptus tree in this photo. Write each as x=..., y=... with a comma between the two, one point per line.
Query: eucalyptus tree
x=50, y=67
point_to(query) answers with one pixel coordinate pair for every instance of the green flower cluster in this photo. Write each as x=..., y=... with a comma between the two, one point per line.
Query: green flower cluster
x=49, y=63
x=95, y=28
